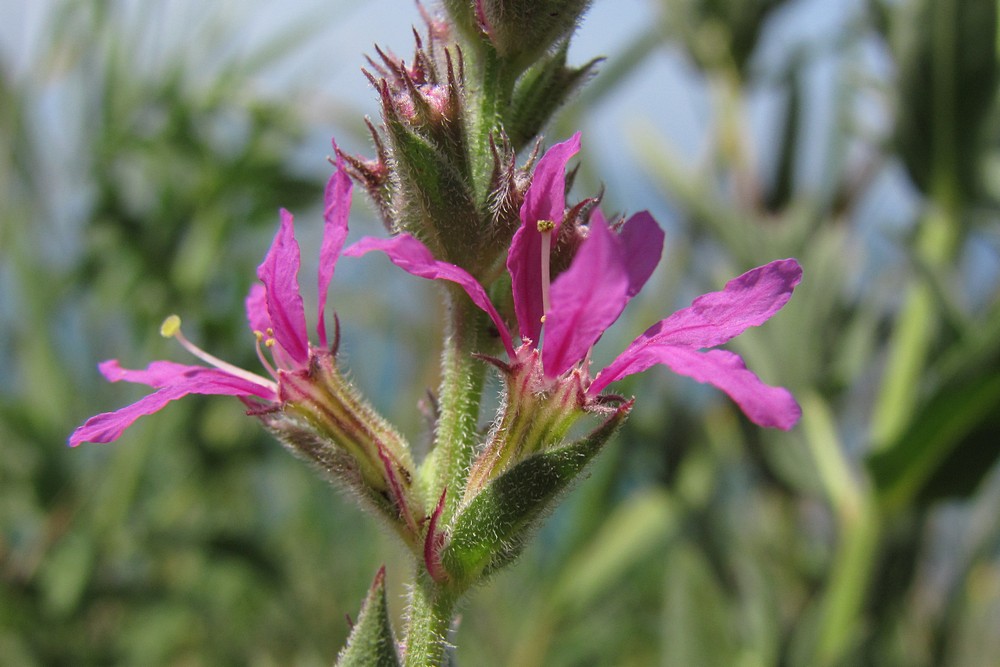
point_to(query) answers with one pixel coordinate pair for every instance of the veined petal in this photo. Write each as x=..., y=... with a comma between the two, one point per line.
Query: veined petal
x=587, y=298
x=279, y=273
x=336, y=210
x=714, y=318
x=544, y=200
x=412, y=256
x=642, y=240
x=174, y=381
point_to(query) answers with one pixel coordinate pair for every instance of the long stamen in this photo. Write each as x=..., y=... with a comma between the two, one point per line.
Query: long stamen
x=545, y=228
x=268, y=343
x=171, y=328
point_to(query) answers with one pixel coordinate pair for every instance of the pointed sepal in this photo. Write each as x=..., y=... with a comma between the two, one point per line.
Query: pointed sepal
x=493, y=527
x=371, y=642
x=543, y=88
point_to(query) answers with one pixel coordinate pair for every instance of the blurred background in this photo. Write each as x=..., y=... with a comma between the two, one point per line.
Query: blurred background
x=145, y=147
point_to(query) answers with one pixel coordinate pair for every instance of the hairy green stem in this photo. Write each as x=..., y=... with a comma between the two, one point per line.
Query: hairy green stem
x=429, y=613
x=462, y=377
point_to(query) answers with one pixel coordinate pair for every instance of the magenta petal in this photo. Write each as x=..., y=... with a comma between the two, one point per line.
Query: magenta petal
x=157, y=374
x=336, y=210
x=256, y=307
x=746, y=301
x=174, y=383
x=546, y=196
x=763, y=404
x=412, y=256
x=642, y=239
x=279, y=273
x=586, y=299
x=544, y=200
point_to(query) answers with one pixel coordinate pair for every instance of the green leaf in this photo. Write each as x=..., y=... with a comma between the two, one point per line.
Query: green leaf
x=900, y=472
x=371, y=642
x=492, y=529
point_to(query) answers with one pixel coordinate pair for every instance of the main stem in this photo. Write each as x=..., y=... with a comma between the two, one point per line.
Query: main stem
x=430, y=609
x=431, y=604
x=462, y=377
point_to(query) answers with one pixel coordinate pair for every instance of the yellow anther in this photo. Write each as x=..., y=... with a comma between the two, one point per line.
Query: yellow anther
x=546, y=225
x=269, y=342
x=170, y=326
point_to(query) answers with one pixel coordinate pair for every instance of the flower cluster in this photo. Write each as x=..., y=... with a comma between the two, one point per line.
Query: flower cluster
x=546, y=278
x=557, y=318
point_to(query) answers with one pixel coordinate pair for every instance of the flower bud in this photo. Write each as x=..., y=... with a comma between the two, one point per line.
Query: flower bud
x=522, y=31
x=324, y=421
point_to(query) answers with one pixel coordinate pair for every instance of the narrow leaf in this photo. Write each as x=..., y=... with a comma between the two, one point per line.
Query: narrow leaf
x=371, y=642
x=491, y=530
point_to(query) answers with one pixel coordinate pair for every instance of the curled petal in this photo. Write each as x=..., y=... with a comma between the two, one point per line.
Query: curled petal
x=763, y=404
x=336, y=210
x=279, y=273
x=174, y=381
x=586, y=299
x=544, y=200
x=714, y=318
x=412, y=256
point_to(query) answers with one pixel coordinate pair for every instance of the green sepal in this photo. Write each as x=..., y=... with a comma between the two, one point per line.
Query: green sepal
x=542, y=90
x=433, y=199
x=338, y=466
x=490, y=530
x=371, y=643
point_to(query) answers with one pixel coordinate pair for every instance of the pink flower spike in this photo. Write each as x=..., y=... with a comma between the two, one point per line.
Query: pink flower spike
x=412, y=256
x=174, y=381
x=336, y=209
x=279, y=273
x=586, y=299
x=544, y=200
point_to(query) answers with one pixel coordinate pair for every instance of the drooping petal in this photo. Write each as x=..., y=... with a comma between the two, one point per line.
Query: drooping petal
x=412, y=256
x=279, y=273
x=544, y=200
x=642, y=240
x=174, y=381
x=746, y=301
x=763, y=404
x=587, y=298
x=336, y=210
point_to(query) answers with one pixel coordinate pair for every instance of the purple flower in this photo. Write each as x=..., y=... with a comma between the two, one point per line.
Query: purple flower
x=277, y=319
x=564, y=318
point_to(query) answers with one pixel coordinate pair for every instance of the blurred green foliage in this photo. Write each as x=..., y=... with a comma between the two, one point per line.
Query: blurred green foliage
x=869, y=535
